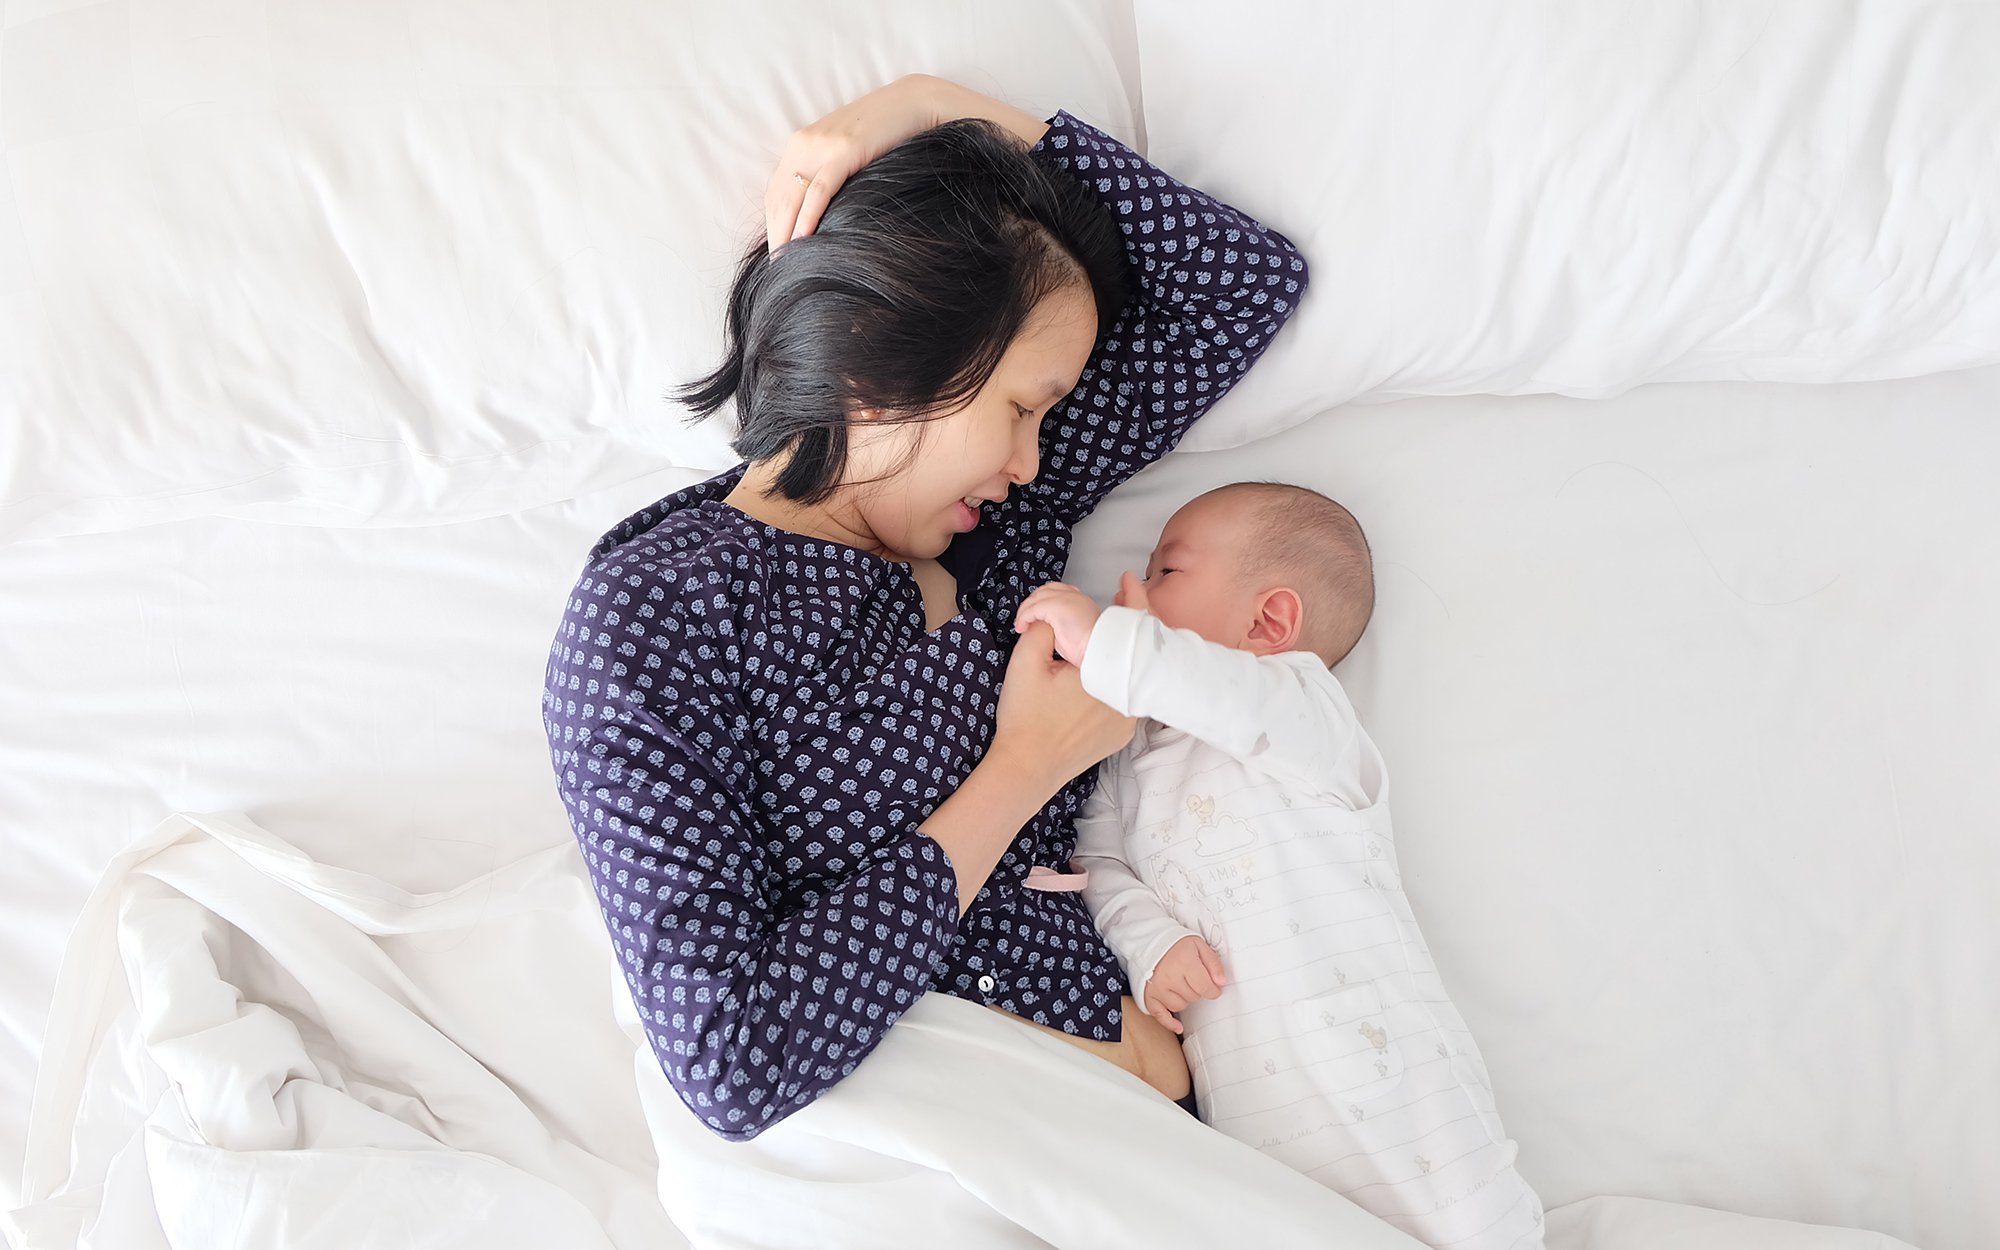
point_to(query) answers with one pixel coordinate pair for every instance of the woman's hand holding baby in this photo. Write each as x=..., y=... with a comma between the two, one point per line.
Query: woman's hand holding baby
x=1047, y=731
x=1047, y=717
x=1189, y=970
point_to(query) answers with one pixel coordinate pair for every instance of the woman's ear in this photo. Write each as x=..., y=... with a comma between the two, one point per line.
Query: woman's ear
x=855, y=410
x=1279, y=622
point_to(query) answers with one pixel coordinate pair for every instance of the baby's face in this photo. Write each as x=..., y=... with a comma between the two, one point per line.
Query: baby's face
x=1192, y=577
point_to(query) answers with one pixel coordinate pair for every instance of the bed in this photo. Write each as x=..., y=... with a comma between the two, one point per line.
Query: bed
x=1657, y=348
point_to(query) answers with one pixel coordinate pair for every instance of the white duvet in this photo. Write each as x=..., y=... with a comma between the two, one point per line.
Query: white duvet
x=322, y=1060
x=256, y=1050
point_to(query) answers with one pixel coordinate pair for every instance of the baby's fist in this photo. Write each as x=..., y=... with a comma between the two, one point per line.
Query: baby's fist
x=1068, y=611
x=1189, y=970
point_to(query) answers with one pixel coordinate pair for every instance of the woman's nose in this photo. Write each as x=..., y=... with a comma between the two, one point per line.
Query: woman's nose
x=1027, y=459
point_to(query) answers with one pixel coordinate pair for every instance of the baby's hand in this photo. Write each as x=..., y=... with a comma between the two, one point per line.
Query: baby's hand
x=1189, y=970
x=1132, y=592
x=1069, y=612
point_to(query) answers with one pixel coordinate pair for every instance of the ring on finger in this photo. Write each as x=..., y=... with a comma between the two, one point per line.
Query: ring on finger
x=801, y=179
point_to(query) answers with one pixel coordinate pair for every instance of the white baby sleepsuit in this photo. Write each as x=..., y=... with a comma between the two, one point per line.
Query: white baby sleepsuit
x=1252, y=809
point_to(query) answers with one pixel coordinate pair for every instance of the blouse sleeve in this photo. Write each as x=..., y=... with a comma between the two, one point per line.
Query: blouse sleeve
x=752, y=1009
x=1213, y=288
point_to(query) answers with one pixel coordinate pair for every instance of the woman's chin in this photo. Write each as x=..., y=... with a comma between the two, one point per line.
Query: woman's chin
x=920, y=546
x=937, y=546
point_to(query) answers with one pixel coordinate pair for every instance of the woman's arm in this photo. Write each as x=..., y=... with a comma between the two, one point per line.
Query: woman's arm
x=757, y=995
x=1215, y=286
x=751, y=1014
x=949, y=102
x=1048, y=729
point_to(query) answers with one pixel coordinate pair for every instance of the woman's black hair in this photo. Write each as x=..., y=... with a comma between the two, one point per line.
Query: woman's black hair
x=923, y=269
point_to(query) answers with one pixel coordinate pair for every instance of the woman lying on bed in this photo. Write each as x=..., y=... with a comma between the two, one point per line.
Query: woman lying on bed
x=810, y=766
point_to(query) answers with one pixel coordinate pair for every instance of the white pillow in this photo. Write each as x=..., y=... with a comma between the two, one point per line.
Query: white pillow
x=1580, y=197
x=393, y=264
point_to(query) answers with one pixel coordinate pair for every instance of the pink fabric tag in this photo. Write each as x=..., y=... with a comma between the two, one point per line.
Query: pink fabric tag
x=1041, y=878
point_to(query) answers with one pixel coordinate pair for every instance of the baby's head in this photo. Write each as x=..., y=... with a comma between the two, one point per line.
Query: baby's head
x=1264, y=567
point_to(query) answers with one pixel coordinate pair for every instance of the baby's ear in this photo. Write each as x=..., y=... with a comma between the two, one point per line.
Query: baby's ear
x=1280, y=621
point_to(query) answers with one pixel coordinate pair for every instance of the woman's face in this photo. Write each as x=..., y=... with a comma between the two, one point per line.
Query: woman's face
x=929, y=468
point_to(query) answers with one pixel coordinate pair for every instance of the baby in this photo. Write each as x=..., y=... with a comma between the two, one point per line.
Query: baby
x=1241, y=864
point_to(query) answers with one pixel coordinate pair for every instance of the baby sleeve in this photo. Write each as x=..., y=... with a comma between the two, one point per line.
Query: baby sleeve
x=1282, y=714
x=1136, y=926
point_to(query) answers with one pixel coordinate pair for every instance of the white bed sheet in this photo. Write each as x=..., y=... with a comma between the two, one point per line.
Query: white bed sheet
x=1687, y=694
x=374, y=694
x=1689, y=702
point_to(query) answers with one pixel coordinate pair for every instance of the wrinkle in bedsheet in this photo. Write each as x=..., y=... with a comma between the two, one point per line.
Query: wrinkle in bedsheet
x=305, y=1066
x=316, y=1072
x=323, y=1075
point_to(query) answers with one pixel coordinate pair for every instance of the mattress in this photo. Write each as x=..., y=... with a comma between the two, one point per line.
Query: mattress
x=1686, y=694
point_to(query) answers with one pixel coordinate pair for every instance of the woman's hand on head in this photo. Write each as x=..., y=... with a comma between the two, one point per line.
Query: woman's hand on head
x=832, y=148
x=828, y=152
x=1047, y=719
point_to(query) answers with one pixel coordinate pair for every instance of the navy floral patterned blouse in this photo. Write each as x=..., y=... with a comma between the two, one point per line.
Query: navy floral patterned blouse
x=748, y=724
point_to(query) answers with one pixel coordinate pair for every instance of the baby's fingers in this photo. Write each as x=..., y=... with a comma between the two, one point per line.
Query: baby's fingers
x=1132, y=592
x=1161, y=1014
x=1211, y=964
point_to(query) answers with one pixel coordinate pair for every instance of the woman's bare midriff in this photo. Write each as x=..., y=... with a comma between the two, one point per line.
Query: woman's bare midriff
x=1147, y=1049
